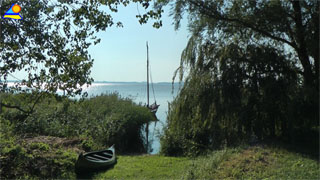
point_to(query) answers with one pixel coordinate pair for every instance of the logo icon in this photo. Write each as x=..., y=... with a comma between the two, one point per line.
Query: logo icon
x=13, y=12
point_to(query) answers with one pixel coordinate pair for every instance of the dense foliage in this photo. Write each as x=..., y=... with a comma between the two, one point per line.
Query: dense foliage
x=46, y=143
x=100, y=121
x=254, y=92
x=36, y=160
x=253, y=73
x=49, y=46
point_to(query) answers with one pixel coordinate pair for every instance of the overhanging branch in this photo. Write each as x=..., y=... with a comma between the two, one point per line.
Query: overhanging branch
x=14, y=107
x=215, y=15
x=27, y=112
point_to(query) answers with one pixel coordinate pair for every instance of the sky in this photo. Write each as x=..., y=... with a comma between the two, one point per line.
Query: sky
x=121, y=55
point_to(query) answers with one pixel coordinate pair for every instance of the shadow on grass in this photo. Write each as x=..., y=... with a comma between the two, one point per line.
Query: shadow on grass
x=90, y=173
x=309, y=150
x=305, y=143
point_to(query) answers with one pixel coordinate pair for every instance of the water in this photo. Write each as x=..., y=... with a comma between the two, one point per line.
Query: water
x=138, y=92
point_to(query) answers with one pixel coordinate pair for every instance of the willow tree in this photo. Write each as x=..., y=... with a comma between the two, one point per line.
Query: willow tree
x=50, y=44
x=253, y=68
x=292, y=26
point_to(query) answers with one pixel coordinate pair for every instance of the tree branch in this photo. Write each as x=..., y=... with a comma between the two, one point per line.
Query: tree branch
x=14, y=107
x=27, y=112
x=208, y=12
x=36, y=101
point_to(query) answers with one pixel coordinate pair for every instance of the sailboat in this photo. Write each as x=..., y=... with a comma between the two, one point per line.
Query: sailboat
x=153, y=107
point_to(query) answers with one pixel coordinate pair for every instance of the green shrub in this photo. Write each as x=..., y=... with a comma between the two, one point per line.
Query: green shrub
x=39, y=145
x=36, y=160
x=102, y=120
x=88, y=144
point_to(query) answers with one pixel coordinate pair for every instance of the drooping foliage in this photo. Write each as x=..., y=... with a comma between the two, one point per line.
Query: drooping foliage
x=252, y=73
x=292, y=26
x=247, y=92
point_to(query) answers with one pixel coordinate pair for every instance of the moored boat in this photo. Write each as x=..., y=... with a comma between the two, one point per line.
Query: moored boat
x=96, y=160
x=153, y=107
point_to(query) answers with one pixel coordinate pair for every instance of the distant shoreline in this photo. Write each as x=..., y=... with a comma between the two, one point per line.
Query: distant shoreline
x=123, y=82
x=129, y=82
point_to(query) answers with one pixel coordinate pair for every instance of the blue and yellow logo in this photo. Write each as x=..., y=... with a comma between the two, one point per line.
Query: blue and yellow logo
x=13, y=12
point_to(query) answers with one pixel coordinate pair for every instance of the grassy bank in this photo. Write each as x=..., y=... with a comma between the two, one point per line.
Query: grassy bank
x=255, y=162
x=52, y=157
x=146, y=167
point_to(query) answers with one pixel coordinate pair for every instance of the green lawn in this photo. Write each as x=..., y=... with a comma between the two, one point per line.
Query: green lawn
x=146, y=167
x=257, y=162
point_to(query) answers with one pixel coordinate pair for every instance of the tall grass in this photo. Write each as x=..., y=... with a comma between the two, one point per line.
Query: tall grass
x=255, y=162
x=100, y=120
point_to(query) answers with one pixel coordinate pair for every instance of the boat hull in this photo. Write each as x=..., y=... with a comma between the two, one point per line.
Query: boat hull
x=97, y=160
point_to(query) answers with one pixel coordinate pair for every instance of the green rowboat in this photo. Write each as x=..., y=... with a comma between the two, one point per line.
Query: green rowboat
x=96, y=160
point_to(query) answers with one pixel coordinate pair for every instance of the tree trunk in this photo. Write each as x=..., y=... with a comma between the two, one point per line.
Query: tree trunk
x=284, y=129
x=272, y=125
x=308, y=75
x=301, y=46
x=317, y=49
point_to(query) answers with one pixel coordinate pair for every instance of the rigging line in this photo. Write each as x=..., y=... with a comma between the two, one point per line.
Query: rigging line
x=143, y=93
x=138, y=9
x=154, y=96
x=14, y=77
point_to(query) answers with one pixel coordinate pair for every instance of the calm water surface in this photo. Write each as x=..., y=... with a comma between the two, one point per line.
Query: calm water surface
x=138, y=92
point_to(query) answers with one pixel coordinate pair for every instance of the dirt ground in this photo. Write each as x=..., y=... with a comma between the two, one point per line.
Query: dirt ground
x=73, y=143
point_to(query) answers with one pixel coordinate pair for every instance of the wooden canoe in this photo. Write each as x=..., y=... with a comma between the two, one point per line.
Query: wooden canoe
x=96, y=160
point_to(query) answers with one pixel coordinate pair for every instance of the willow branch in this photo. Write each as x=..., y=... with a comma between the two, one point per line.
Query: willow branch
x=215, y=15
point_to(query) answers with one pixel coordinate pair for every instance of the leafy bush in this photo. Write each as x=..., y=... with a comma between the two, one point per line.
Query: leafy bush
x=101, y=120
x=40, y=146
x=32, y=161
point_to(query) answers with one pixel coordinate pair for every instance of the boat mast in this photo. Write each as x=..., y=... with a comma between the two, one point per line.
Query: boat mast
x=147, y=74
x=147, y=126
